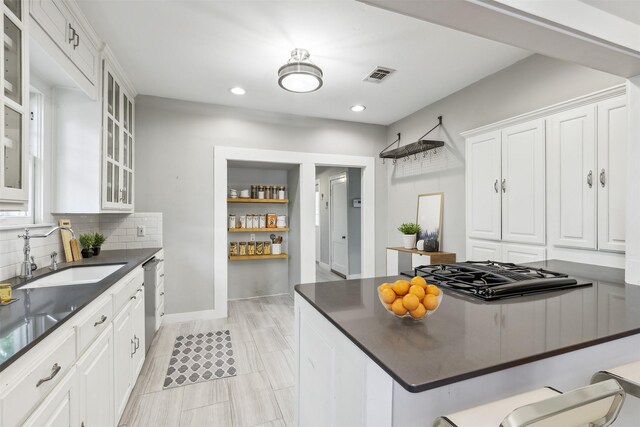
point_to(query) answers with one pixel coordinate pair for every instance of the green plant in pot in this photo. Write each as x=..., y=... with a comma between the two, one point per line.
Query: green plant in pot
x=409, y=231
x=86, y=241
x=98, y=240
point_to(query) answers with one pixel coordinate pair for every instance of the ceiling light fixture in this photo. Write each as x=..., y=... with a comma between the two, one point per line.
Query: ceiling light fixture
x=299, y=74
x=237, y=90
x=358, y=108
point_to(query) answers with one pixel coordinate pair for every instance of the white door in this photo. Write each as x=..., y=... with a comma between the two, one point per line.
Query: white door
x=122, y=354
x=478, y=250
x=523, y=183
x=95, y=372
x=338, y=221
x=137, y=312
x=612, y=173
x=483, y=176
x=572, y=176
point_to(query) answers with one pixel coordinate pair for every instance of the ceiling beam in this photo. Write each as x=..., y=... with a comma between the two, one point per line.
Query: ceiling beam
x=588, y=36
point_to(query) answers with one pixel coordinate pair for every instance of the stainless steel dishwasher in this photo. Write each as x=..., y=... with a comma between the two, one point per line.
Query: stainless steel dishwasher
x=154, y=297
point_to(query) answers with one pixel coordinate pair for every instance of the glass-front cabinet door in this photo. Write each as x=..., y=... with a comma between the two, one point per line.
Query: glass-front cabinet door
x=117, y=145
x=14, y=188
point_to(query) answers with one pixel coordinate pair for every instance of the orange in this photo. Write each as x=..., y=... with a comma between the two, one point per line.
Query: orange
x=387, y=295
x=388, y=306
x=430, y=302
x=419, y=312
x=401, y=287
x=433, y=290
x=418, y=291
x=419, y=280
x=398, y=308
x=384, y=286
x=410, y=302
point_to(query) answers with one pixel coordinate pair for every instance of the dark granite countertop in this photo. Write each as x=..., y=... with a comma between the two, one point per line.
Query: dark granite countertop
x=467, y=337
x=39, y=311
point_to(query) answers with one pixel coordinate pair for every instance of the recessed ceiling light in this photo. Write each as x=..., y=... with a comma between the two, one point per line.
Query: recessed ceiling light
x=358, y=108
x=299, y=74
x=237, y=90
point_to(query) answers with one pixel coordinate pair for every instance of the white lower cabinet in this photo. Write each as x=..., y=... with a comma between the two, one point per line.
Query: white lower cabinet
x=61, y=406
x=520, y=254
x=481, y=250
x=58, y=383
x=95, y=378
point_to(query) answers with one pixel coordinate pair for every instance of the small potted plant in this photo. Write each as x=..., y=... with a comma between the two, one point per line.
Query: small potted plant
x=86, y=241
x=409, y=231
x=98, y=240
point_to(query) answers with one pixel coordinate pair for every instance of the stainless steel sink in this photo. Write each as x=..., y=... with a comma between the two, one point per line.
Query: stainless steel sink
x=79, y=275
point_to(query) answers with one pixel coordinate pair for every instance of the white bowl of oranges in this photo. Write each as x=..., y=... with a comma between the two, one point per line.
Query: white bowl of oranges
x=415, y=299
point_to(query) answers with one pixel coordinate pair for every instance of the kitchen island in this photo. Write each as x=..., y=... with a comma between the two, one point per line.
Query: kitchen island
x=359, y=365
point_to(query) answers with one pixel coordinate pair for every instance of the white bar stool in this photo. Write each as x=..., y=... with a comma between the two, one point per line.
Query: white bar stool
x=598, y=404
x=627, y=375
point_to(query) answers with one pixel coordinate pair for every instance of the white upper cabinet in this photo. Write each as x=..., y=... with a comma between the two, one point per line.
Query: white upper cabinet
x=572, y=177
x=14, y=169
x=612, y=173
x=65, y=25
x=483, y=176
x=523, y=183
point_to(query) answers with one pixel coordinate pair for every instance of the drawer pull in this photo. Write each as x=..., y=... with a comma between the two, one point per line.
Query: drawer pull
x=101, y=321
x=54, y=371
x=133, y=297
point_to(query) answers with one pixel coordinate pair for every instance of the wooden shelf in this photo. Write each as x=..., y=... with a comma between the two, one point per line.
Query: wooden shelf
x=239, y=200
x=256, y=230
x=436, y=257
x=247, y=257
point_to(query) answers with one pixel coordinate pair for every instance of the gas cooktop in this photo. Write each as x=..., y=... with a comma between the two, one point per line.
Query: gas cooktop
x=490, y=280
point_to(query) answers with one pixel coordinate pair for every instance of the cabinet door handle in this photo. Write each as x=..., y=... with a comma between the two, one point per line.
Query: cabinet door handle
x=602, y=178
x=162, y=275
x=101, y=321
x=590, y=179
x=495, y=186
x=161, y=293
x=162, y=314
x=72, y=33
x=54, y=371
x=133, y=297
x=77, y=43
x=504, y=185
x=134, y=347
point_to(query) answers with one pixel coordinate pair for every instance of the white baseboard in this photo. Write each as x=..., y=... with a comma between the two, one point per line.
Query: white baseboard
x=354, y=276
x=191, y=315
x=260, y=296
x=323, y=265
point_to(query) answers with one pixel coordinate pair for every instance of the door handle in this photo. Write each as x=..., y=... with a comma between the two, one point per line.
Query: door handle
x=161, y=293
x=54, y=371
x=77, y=43
x=495, y=186
x=72, y=36
x=590, y=179
x=101, y=321
x=504, y=185
x=344, y=237
x=134, y=348
x=137, y=340
x=602, y=178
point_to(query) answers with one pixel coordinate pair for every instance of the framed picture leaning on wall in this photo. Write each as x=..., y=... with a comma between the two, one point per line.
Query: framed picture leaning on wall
x=430, y=207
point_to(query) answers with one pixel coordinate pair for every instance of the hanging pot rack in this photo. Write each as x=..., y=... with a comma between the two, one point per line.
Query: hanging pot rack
x=420, y=146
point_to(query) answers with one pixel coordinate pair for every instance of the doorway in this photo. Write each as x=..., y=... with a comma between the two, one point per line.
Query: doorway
x=339, y=222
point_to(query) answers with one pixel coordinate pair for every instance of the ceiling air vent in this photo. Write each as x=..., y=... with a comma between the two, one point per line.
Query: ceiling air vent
x=379, y=74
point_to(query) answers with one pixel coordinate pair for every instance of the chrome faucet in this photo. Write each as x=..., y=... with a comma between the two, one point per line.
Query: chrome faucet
x=27, y=267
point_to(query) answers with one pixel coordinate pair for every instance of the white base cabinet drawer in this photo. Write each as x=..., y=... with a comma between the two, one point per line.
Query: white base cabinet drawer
x=520, y=254
x=60, y=408
x=19, y=398
x=482, y=250
x=95, y=322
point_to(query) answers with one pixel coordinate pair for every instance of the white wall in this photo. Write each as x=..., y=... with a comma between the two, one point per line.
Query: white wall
x=174, y=175
x=532, y=83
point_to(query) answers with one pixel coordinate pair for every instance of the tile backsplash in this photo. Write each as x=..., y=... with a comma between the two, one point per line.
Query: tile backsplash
x=120, y=231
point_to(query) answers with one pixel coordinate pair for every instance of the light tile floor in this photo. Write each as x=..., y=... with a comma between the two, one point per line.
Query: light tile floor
x=326, y=275
x=262, y=393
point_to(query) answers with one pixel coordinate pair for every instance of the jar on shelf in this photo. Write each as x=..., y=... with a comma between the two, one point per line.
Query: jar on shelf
x=268, y=192
x=267, y=248
x=261, y=192
x=256, y=221
x=242, y=248
x=249, y=221
x=259, y=248
x=243, y=221
x=263, y=221
x=271, y=220
x=254, y=191
x=251, y=248
x=232, y=221
x=281, y=192
x=281, y=221
x=233, y=248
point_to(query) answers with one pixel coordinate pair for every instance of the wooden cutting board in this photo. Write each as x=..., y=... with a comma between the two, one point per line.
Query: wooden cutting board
x=75, y=249
x=66, y=240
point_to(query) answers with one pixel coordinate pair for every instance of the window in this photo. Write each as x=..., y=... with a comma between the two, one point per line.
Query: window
x=32, y=212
